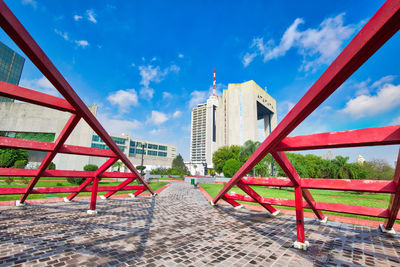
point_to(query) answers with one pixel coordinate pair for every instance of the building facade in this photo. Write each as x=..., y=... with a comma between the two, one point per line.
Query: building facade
x=231, y=119
x=11, y=65
x=33, y=122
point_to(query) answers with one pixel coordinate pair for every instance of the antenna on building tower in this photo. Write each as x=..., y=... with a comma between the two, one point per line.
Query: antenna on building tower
x=214, y=88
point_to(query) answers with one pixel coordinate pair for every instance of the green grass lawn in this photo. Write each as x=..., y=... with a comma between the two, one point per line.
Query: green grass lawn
x=167, y=178
x=153, y=185
x=376, y=200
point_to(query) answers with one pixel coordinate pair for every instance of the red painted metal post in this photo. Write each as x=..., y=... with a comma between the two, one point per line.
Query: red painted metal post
x=380, y=28
x=93, y=197
x=294, y=177
x=66, y=131
x=394, y=204
x=99, y=171
x=299, y=214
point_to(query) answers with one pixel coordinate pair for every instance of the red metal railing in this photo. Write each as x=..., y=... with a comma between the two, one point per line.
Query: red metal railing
x=379, y=29
x=72, y=104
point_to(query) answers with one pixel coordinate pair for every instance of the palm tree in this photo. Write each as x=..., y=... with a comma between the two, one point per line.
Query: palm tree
x=247, y=150
x=118, y=165
x=341, y=168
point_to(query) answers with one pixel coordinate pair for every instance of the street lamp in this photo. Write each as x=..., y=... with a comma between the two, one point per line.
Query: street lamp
x=141, y=171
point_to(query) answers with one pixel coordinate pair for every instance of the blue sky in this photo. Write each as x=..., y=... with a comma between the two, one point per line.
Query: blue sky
x=147, y=63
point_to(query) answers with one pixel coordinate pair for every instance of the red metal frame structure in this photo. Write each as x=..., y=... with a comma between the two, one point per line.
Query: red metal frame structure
x=73, y=104
x=379, y=29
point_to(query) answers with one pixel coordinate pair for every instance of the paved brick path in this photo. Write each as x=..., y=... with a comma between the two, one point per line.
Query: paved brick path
x=179, y=228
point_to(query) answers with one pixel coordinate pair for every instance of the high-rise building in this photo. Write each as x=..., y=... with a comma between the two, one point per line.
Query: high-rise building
x=11, y=65
x=244, y=112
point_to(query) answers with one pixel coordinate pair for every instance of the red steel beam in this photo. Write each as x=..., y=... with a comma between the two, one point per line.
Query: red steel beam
x=294, y=177
x=9, y=142
x=377, y=186
x=380, y=28
x=119, y=187
x=253, y=194
x=138, y=192
x=93, y=196
x=350, y=209
x=65, y=189
x=394, y=204
x=379, y=136
x=64, y=134
x=34, y=97
x=62, y=173
x=232, y=202
x=12, y=26
x=98, y=172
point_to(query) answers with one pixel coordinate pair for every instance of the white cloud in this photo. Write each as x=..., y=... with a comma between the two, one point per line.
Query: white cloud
x=176, y=114
x=77, y=17
x=197, y=97
x=181, y=55
x=147, y=93
x=32, y=3
x=159, y=131
x=82, y=43
x=248, y=58
x=117, y=126
x=157, y=117
x=42, y=85
x=386, y=98
x=318, y=46
x=91, y=16
x=64, y=35
x=152, y=73
x=166, y=95
x=124, y=99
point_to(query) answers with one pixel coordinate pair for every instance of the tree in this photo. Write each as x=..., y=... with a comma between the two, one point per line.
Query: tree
x=51, y=166
x=118, y=165
x=231, y=167
x=177, y=163
x=141, y=168
x=247, y=150
x=20, y=164
x=9, y=156
x=79, y=181
x=223, y=154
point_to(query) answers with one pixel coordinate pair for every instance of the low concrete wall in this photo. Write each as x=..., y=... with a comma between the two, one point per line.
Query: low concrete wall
x=199, y=179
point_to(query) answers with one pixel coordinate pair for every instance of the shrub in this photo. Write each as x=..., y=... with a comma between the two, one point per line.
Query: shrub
x=20, y=164
x=25, y=180
x=51, y=166
x=9, y=156
x=90, y=167
x=59, y=184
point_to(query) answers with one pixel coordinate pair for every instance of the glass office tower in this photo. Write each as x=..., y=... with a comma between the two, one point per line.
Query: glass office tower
x=11, y=65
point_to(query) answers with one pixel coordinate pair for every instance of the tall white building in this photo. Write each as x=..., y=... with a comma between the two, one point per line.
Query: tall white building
x=232, y=119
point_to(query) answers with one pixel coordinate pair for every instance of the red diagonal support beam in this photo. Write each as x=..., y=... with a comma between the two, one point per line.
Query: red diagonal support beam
x=47, y=146
x=34, y=97
x=380, y=28
x=379, y=136
x=98, y=172
x=232, y=202
x=119, y=187
x=394, y=204
x=64, y=134
x=253, y=194
x=11, y=25
x=294, y=177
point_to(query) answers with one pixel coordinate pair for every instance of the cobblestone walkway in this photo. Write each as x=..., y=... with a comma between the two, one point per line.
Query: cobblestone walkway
x=179, y=228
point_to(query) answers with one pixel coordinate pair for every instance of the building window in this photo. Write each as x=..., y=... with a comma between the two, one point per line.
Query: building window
x=140, y=151
x=95, y=138
x=152, y=153
x=118, y=140
x=162, y=154
x=133, y=143
x=151, y=146
x=162, y=148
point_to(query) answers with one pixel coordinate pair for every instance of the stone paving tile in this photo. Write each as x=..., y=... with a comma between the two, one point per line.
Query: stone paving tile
x=179, y=228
